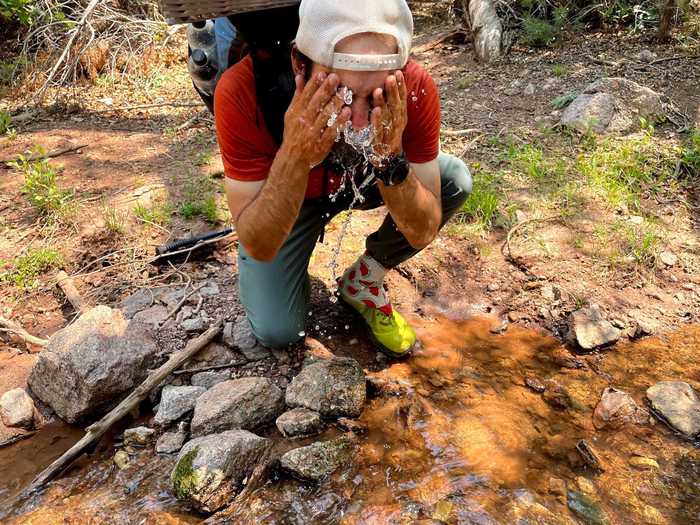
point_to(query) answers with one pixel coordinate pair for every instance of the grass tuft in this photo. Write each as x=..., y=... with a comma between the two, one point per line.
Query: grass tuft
x=159, y=213
x=26, y=269
x=41, y=189
x=199, y=200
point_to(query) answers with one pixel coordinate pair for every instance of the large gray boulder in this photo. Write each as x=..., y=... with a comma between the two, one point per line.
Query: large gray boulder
x=613, y=105
x=211, y=470
x=88, y=365
x=676, y=403
x=17, y=409
x=175, y=402
x=318, y=460
x=334, y=388
x=589, y=329
x=247, y=403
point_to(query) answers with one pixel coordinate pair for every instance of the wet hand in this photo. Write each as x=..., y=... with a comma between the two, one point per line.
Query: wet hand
x=313, y=118
x=389, y=118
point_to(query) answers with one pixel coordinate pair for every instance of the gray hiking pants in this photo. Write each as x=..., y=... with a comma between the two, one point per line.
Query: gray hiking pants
x=275, y=294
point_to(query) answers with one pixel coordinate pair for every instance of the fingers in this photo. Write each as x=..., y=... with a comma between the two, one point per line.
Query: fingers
x=323, y=94
x=392, y=91
x=310, y=87
x=331, y=132
x=323, y=119
x=403, y=91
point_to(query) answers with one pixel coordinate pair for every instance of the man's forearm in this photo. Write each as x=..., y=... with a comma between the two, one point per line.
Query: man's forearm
x=415, y=209
x=266, y=221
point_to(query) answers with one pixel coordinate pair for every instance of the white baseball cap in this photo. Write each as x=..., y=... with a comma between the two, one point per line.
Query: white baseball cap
x=324, y=23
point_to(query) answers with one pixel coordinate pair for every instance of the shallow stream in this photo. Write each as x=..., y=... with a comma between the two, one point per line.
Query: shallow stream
x=454, y=436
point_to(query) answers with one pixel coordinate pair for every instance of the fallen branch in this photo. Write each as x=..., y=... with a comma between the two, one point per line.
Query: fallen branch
x=677, y=57
x=438, y=39
x=69, y=45
x=67, y=284
x=12, y=327
x=96, y=430
x=49, y=155
x=174, y=104
x=205, y=368
x=16, y=438
x=177, y=307
x=459, y=132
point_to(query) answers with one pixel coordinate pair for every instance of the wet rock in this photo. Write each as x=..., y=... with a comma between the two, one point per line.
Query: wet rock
x=153, y=316
x=677, y=404
x=210, y=378
x=247, y=403
x=139, y=436
x=17, y=409
x=556, y=395
x=352, y=425
x=586, y=509
x=175, y=402
x=194, y=324
x=668, y=258
x=590, y=455
x=88, y=365
x=652, y=515
x=557, y=486
x=210, y=470
x=562, y=357
x=334, y=388
x=299, y=422
x=121, y=460
x=612, y=105
x=586, y=486
x=315, y=350
x=171, y=442
x=318, y=460
x=136, y=302
x=643, y=463
x=617, y=408
x=535, y=384
x=589, y=328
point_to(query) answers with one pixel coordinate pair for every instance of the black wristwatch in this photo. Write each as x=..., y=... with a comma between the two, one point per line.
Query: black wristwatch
x=394, y=171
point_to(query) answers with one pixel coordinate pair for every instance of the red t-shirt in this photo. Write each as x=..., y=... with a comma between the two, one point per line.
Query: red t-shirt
x=248, y=149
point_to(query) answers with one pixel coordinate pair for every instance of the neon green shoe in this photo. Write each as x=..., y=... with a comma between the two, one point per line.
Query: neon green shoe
x=361, y=288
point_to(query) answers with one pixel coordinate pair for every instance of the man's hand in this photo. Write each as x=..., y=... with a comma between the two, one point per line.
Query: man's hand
x=310, y=128
x=389, y=118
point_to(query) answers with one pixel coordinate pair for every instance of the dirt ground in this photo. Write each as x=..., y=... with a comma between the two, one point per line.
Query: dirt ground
x=160, y=159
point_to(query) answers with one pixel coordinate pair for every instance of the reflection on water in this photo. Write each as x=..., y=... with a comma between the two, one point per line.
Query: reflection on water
x=454, y=436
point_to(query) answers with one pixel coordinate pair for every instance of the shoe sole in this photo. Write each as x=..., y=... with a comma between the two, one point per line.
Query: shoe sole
x=379, y=346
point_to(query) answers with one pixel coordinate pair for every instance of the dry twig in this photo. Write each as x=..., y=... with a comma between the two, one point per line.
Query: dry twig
x=14, y=328
x=49, y=155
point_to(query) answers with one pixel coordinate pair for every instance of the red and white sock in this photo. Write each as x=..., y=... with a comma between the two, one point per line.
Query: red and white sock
x=364, y=282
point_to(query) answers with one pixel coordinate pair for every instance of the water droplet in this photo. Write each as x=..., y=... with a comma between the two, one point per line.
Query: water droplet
x=347, y=327
x=302, y=333
x=317, y=327
x=333, y=299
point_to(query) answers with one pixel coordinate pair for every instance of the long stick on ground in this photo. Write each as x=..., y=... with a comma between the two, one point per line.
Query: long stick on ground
x=49, y=155
x=96, y=430
x=16, y=329
x=65, y=283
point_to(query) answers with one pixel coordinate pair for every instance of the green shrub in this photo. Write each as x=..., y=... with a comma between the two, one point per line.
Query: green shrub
x=5, y=122
x=538, y=32
x=690, y=156
x=484, y=200
x=18, y=10
x=40, y=186
x=27, y=268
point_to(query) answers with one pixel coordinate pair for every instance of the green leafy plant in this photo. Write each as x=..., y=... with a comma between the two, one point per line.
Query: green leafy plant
x=27, y=268
x=5, y=123
x=538, y=31
x=40, y=186
x=564, y=100
x=690, y=156
x=19, y=10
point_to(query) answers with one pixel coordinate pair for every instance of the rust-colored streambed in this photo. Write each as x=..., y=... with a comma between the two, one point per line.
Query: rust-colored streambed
x=461, y=440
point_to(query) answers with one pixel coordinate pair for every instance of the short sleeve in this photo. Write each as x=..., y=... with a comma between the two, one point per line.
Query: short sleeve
x=421, y=138
x=247, y=148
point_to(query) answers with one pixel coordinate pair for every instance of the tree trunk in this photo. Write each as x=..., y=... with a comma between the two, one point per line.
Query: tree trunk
x=486, y=28
x=665, y=25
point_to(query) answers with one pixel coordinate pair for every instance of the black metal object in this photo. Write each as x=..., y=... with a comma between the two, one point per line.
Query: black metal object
x=190, y=242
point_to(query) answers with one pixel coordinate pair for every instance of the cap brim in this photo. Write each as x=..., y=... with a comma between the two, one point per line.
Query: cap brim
x=187, y=11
